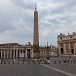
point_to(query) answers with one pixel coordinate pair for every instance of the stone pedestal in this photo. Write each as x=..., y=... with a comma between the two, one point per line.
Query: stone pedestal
x=36, y=55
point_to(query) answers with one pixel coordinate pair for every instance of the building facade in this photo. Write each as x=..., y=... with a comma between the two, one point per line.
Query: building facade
x=67, y=44
x=17, y=51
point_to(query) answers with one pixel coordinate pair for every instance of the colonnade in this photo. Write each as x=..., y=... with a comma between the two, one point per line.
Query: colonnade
x=11, y=53
x=43, y=54
x=67, y=50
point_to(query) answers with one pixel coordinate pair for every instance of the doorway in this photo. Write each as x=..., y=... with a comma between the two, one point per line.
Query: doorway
x=62, y=51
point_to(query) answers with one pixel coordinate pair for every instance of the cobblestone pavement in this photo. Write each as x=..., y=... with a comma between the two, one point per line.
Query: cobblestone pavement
x=34, y=69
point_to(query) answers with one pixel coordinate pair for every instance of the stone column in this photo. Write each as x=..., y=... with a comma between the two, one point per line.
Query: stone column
x=41, y=53
x=59, y=50
x=45, y=53
x=22, y=50
x=17, y=53
x=75, y=48
x=32, y=53
x=1, y=53
x=69, y=49
x=10, y=53
x=64, y=49
x=26, y=54
x=4, y=53
x=13, y=53
x=7, y=53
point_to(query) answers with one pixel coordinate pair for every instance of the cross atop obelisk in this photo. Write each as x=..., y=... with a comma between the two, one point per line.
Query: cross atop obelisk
x=35, y=6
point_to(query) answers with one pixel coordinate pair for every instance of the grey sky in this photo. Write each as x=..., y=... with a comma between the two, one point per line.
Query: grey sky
x=55, y=16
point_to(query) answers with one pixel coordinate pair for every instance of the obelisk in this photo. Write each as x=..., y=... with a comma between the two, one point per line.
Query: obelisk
x=36, y=34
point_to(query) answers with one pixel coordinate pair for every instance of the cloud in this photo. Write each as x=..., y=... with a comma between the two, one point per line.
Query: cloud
x=55, y=16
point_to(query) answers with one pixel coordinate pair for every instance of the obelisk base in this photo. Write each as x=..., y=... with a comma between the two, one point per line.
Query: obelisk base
x=36, y=55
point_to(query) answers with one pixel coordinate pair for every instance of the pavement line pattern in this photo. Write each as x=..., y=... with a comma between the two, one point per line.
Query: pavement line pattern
x=58, y=70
